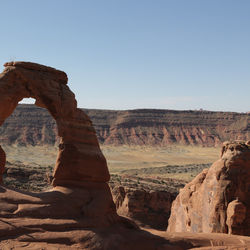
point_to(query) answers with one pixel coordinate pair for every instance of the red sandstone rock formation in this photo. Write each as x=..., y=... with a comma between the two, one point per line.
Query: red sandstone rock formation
x=218, y=199
x=80, y=192
x=78, y=147
x=78, y=212
x=147, y=208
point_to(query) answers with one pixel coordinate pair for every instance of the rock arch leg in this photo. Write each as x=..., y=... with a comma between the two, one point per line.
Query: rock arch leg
x=79, y=158
x=80, y=196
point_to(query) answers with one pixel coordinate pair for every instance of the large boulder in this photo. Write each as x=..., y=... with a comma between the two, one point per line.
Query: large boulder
x=218, y=199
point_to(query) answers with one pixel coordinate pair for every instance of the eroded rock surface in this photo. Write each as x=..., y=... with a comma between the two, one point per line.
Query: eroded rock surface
x=218, y=199
x=147, y=208
x=81, y=197
x=78, y=147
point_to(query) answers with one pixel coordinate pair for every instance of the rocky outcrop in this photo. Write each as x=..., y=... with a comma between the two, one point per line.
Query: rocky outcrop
x=81, y=196
x=218, y=199
x=147, y=208
x=78, y=148
x=31, y=125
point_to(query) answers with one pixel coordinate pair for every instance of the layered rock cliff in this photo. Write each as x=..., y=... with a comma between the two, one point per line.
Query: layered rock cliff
x=33, y=125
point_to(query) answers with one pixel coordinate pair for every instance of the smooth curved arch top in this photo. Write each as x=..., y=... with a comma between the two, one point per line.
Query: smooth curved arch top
x=79, y=158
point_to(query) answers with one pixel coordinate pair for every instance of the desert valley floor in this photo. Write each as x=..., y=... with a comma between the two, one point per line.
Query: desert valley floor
x=178, y=162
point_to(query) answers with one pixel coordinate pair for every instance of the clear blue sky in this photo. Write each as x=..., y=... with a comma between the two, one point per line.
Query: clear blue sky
x=127, y=54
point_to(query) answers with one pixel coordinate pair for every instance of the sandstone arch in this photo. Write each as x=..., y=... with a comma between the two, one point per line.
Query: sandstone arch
x=79, y=158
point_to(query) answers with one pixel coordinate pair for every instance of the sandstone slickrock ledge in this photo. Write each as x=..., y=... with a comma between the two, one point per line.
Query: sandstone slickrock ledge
x=78, y=147
x=218, y=199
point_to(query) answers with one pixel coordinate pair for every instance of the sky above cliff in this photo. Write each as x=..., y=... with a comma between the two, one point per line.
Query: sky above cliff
x=127, y=54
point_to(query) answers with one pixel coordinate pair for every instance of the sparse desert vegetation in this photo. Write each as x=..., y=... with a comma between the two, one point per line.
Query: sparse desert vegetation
x=155, y=168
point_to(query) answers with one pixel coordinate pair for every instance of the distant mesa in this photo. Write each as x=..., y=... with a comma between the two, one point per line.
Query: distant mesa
x=150, y=127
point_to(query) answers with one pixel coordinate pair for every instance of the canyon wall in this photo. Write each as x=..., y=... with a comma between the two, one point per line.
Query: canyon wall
x=33, y=125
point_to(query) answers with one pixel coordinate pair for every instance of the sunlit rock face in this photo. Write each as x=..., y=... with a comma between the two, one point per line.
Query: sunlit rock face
x=81, y=196
x=79, y=157
x=218, y=199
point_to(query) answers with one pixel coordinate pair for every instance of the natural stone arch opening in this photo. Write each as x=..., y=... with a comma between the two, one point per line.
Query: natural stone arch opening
x=79, y=158
x=27, y=101
x=31, y=147
x=35, y=127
